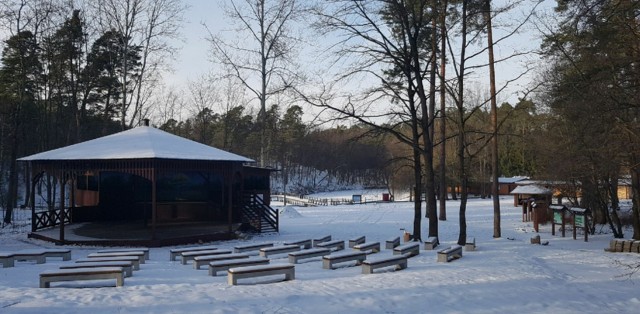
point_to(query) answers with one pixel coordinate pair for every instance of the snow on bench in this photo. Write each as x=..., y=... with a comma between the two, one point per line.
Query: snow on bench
x=265, y=252
x=321, y=240
x=470, y=244
x=6, y=259
x=49, y=276
x=304, y=254
x=450, y=253
x=173, y=253
x=328, y=261
x=206, y=259
x=127, y=267
x=189, y=256
x=355, y=241
x=251, y=247
x=399, y=261
x=215, y=267
x=370, y=247
x=305, y=244
x=431, y=243
x=133, y=259
x=236, y=273
x=412, y=249
x=392, y=243
x=138, y=254
x=335, y=244
x=139, y=249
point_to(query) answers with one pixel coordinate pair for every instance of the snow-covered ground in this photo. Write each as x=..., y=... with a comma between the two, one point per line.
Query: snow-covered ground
x=505, y=275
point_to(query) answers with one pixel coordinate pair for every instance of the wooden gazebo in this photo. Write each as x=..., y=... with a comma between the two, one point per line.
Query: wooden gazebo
x=158, y=182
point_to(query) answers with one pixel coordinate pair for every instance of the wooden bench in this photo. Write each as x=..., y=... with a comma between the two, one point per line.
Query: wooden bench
x=337, y=245
x=359, y=240
x=7, y=260
x=140, y=249
x=412, y=249
x=127, y=267
x=173, y=253
x=47, y=277
x=236, y=273
x=305, y=244
x=304, y=254
x=206, y=259
x=133, y=259
x=251, y=247
x=371, y=247
x=399, y=261
x=215, y=267
x=328, y=261
x=450, y=253
x=265, y=252
x=431, y=243
x=470, y=244
x=39, y=256
x=392, y=243
x=189, y=256
x=138, y=254
x=321, y=240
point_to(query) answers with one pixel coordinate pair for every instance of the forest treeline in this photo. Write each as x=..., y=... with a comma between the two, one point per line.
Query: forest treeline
x=400, y=113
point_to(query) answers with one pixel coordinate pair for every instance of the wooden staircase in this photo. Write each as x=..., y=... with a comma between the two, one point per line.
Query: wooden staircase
x=258, y=215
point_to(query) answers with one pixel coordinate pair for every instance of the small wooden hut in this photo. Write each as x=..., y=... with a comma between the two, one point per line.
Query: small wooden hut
x=173, y=189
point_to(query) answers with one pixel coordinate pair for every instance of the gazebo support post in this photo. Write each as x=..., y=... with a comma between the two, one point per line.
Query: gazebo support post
x=230, y=204
x=62, y=182
x=153, y=203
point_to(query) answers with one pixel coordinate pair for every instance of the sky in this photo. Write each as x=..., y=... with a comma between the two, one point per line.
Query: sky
x=503, y=275
x=193, y=61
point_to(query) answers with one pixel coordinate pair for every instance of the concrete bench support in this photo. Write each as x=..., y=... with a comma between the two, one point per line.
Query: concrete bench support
x=355, y=241
x=450, y=253
x=328, y=261
x=392, y=243
x=7, y=260
x=370, y=247
x=399, y=261
x=412, y=249
x=470, y=244
x=294, y=257
x=215, y=267
x=234, y=274
x=431, y=243
x=47, y=277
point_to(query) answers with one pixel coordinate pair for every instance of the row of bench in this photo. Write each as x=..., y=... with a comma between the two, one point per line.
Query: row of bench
x=105, y=264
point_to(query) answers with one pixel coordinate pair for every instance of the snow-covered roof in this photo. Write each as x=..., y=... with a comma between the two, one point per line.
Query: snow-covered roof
x=507, y=180
x=531, y=190
x=142, y=142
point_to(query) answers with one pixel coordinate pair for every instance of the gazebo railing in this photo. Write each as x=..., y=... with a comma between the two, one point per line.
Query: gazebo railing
x=49, y=218
x=259, y=215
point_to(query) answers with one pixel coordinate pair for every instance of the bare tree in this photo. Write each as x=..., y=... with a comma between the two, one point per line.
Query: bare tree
x=262, y=59
x=148, y=26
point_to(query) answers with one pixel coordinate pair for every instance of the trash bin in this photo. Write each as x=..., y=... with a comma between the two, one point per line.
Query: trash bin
x=385, y=197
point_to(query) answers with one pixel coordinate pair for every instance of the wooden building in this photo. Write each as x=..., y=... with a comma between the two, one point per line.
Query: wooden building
x=167, y=189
